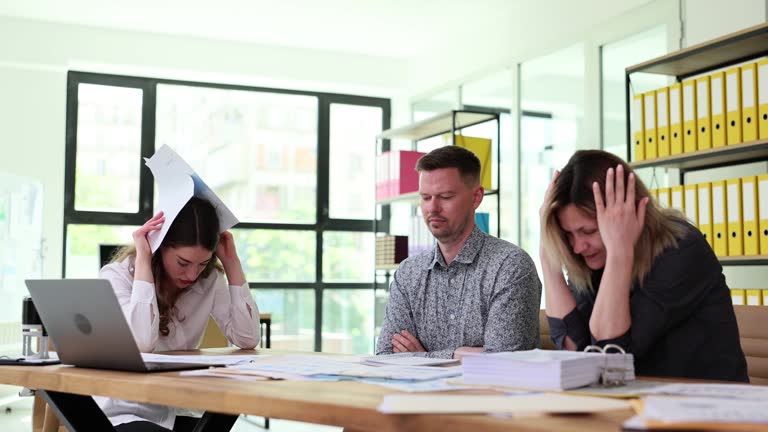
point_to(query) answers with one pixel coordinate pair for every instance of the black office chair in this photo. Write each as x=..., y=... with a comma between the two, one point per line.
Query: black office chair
x=106, y=252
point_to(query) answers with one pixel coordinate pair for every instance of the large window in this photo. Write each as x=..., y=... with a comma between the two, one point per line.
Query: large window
x=257, y=150
x=295, y=167
x=551, y=129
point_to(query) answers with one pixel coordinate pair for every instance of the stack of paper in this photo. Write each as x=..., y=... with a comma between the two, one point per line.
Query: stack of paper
x=544, y=369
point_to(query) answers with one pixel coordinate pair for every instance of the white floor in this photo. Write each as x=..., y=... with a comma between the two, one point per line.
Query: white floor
x=16, y=416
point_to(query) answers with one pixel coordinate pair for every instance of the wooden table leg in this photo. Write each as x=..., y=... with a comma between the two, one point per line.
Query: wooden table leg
x=50, y=422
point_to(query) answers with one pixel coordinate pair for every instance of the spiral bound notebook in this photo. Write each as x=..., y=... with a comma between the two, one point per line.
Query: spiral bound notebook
x=549, y=370
x=18, y=360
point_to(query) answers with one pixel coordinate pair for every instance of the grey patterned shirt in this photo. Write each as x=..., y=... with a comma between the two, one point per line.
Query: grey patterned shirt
x=489, y=296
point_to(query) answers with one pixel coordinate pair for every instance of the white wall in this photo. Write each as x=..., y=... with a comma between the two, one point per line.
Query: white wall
x=710, y=19
x=35, y=57
x=526, y=30
x=32, y=113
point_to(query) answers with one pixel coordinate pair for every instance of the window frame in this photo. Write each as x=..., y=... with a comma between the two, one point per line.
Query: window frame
x=148, y=86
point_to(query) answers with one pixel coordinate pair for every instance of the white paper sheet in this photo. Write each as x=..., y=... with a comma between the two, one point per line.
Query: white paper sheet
x=704, y=410
x=405, y=359
x=477, y=404
x=215, y=374
x=723, y=391
x=444, y=384
x=322, y=367
x=631, y=389
x=222, y=360
x=177, y=182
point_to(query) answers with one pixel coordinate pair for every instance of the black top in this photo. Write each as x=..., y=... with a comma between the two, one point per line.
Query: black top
x=683, y=324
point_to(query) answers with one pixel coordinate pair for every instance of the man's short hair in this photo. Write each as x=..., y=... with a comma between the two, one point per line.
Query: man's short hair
x=452, y=156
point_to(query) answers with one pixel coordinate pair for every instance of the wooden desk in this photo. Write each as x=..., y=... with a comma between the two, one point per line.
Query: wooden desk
x=351, y=405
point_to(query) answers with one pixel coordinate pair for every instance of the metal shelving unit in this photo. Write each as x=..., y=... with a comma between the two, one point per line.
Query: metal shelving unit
x=719, y=53
x=446, y=123
x=711, y=158
x=725, y=51
x=449, y=122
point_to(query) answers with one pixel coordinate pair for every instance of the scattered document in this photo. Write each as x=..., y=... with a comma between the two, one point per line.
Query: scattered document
x=217, y=360
x=328, y=368
x=699, y=413
x=236, y=373
x=216, y=374
x=406, y=359
x=723, y=391
x=444, y=384
x=481, y=404
x=176, y=183
x=341, y=358
x=634, y=389
x=630, y=389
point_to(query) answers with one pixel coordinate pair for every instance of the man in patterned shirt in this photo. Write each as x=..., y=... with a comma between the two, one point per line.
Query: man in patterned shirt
x=472, y=292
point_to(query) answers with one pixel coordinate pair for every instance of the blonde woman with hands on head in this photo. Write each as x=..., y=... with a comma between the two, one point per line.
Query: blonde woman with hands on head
x=639, y=276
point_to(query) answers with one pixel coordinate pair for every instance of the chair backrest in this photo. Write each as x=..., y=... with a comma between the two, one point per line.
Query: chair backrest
x=106, y=252
x=753, y=332
x=544, y=335
x=213, y=336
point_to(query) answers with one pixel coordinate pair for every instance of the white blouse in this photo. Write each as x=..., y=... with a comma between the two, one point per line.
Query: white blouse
x=232, y=308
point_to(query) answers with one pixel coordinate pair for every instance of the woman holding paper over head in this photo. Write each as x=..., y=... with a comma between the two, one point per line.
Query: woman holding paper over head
x=168, y=294
x=639, y=276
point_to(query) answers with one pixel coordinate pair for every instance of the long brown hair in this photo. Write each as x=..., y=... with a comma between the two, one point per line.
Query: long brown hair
x=663, y=227
x=197, y=224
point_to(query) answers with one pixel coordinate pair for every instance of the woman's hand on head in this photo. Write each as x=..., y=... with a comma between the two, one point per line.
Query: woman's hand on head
x=619, y=219
x=227, y=254
x=225, y=250
x=140, y=236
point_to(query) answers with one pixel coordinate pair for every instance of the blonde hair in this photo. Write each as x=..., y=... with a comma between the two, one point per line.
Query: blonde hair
x=662, y=230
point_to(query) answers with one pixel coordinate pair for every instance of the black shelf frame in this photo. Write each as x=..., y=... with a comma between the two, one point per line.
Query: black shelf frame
x=719, y=53
x=456, y=124
x=728, y=50
x=458, y=120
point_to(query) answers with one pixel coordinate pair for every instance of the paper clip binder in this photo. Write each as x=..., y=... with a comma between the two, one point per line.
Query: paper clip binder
x=612, y=375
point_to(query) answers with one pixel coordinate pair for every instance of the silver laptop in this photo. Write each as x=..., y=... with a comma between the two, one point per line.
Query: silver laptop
x=88, y=327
